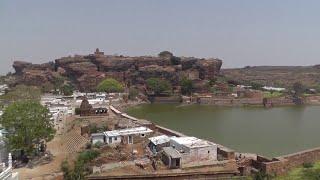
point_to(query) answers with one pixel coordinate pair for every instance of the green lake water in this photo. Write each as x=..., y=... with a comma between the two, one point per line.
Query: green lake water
x=269, y=132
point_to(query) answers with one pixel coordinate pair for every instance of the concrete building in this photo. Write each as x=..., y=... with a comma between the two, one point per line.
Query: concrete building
x=158, y=142
x=3, y=147
x=97, y=138
x=171, y=157
x=3, y=88
x=191, y=149
x=270, y=88
x=126, y=136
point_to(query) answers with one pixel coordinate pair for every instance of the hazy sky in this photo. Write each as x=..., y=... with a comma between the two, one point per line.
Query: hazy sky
x=241, y=32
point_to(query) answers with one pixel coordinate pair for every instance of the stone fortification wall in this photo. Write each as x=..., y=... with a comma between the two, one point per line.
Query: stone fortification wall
x=281, y=165
x=279, y=101
x=230, y=101
x=312, y=100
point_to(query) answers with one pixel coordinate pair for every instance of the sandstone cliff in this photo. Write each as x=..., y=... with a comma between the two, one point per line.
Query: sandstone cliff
x=87, y=71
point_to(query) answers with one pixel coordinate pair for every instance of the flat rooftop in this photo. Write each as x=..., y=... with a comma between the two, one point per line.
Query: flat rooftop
x=159, y=139
x=129, y=131
x=192, y=142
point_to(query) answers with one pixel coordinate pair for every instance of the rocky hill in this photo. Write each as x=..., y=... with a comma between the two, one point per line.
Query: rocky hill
x=280, y=76
x=85, y=72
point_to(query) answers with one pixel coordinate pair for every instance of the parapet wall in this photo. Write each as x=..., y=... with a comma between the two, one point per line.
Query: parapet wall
x=278, y=101
x=230, y=101
x=281, y=165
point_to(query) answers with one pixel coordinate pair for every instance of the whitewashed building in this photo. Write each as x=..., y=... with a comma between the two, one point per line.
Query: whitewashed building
x=158, y=142
x=269, y=88
x=3, y=88
x=98, y=138
x=125, y=136
x=190, y=150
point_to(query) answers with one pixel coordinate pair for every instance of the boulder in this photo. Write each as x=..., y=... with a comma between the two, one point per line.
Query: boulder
x=208, y=68
x=166, y=72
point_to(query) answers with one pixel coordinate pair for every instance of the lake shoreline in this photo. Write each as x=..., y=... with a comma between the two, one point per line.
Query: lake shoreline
x=230, y=124
x=278, y=165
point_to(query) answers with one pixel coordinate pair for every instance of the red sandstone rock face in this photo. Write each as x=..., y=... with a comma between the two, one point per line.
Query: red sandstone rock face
x=88, y=71
x=78, y=69
x=19, y=66
x=33, y=74
x=208, y=68
x=88, y=82
x=69, y=60
x=155, y=71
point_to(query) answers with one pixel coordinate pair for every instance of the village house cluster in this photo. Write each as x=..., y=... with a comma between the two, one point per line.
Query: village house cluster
x=175, y=152
x=3, y=88
x=61, y=107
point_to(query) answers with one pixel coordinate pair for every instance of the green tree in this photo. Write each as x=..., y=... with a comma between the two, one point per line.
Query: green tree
x=256, y=86
x=187, y=86
x=22, y=92
x=28, y=123
x=67, y=89
x=110, y=85
x=167, y=54
x=298, y=88
x=158, y=85
x=133, y=93
x=80, y=169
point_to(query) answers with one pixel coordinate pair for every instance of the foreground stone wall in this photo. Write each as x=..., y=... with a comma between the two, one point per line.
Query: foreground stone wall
x=281, y=165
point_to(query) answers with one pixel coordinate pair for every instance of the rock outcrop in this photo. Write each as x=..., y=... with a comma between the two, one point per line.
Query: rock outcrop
x=87, y=71
x=34, y=74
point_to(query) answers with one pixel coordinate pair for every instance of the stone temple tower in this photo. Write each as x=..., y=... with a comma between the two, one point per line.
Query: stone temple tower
x=98, y=52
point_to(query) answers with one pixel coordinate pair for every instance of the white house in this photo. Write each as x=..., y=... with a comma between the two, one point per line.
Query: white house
x=191, y=149
x=97, y=138
x=158, y=142
x=269, y=88
x=126, y=136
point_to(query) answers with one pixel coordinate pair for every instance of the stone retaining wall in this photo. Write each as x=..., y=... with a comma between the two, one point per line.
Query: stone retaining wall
x=281, y=165
x=166, y=99
x=230, y=101
x=312, y=100
x=279, y=101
